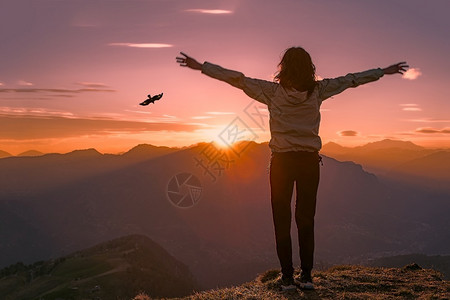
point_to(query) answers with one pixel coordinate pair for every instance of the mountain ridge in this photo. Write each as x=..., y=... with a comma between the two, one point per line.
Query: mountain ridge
x=401, y=161
x=120, y=267
x=381, y=144
x=389, y=143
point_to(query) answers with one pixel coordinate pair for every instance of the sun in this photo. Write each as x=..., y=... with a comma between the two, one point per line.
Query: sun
x=218, y=142
x=213, y=135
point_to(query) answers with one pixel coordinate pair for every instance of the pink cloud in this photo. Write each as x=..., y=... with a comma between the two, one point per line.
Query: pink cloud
x=24, y=83
x=92, y=84
x=347, y=133
x=220, y=113
x=430, y=130
x=201, y=117
x=142, y=45
x=429, y=120
x=412, y=74
x=210, y=11
x=59, y=126
x=51, y=90
x=410, y=107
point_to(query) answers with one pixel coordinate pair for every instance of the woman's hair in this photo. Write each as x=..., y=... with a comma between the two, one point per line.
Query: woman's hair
x=296, y=70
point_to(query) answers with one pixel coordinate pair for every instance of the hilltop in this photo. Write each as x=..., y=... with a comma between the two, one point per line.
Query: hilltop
x=341, y=282
x=119, y=268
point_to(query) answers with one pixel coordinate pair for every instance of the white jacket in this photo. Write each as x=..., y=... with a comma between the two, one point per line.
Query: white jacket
x=294, y=117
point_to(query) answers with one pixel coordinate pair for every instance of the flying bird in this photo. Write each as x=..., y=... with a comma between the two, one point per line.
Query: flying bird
x=151, y=99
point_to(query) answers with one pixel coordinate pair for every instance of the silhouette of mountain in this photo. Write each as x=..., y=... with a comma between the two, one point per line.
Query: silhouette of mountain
x=4, y=154
x=390, y=144
x=399, y=161
x=149, y=151
x=435, y=166
x=332, y=147
x=21, y=175
x=85, y=153
x=119, y=268
x=227, y=236
x=31, y=153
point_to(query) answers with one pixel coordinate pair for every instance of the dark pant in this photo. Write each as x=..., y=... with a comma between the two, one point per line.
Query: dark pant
x=286, y=168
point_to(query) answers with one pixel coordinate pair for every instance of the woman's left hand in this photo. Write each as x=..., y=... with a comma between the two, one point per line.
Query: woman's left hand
x=189, y=62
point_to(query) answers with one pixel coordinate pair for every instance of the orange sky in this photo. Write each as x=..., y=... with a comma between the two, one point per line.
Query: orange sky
x=73, y=72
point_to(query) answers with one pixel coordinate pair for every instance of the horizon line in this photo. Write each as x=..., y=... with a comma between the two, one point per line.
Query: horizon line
x=40, y=153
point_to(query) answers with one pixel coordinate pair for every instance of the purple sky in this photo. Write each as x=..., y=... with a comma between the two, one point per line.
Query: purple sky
x=73, y=71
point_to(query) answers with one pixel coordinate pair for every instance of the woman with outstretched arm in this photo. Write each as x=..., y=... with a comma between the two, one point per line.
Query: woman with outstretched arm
x=293, y=100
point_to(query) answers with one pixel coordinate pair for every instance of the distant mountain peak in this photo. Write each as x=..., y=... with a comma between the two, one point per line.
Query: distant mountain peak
x=389, y=143
x=4, y=154
x=143, y=148
x=31, y=153
x=378, y=145
x=84, y=152
x=147, y=151
x=332, y=146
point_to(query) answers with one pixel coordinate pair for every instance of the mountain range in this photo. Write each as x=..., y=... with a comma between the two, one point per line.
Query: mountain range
x=401, y=161
x=55, y=204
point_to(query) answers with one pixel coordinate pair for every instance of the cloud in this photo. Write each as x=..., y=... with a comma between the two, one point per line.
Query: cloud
x=210, y=11
x=429, y=120
x=60, y=96
x=220, y=113
x=347, y=133
x=1, y=83
x=198, y=124
x=145, y=112
x=410, y=107
x=92, y=84
x=44, y=127
x=429, y=130
x=34, y=111
x=412, y=73
x=24, y=83
x=142, y=45
x=201, y=117
x=32, y=90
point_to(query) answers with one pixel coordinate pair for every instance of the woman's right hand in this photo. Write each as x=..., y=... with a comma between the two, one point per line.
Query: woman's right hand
x=189, y=62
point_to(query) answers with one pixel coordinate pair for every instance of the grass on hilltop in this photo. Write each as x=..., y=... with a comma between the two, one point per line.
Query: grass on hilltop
x=340, y=282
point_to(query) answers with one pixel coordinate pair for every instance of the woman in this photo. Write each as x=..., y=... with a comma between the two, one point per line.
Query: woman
x=293, y=101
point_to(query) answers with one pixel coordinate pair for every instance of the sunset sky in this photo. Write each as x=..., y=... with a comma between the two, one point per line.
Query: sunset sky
x=72, y=72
